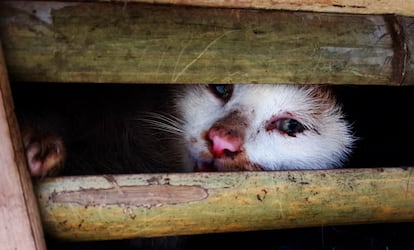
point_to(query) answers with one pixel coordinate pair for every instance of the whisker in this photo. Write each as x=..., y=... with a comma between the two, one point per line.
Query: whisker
x=165, y=123
x=162, y=126
x=168, y=117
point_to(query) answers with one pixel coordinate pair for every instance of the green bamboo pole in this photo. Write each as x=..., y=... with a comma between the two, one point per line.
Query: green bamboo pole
x=139, y=43
x=116, y=207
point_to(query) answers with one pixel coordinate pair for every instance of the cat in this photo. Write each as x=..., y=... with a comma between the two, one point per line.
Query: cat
x=240, y=127
x=262, y=127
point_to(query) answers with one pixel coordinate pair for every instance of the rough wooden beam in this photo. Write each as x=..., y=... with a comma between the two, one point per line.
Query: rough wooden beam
x=115, y=207
x=407, y=29
x=20, y=226
x=139, y=43
x=397, y=7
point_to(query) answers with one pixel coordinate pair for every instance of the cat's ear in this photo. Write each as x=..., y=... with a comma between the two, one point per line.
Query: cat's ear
x=45, y=153
x=321, y=92
x=322, y=97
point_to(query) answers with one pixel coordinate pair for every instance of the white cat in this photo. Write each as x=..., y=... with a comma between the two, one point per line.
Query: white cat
x=262, y=127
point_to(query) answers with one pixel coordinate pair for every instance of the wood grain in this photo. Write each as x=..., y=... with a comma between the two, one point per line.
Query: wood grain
x=397, y=7
x=20, y=226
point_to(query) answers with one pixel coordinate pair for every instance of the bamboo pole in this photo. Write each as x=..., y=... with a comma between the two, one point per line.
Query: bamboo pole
x=116, y=207
x=397, y=7
x=140, y=43
x=20, y=226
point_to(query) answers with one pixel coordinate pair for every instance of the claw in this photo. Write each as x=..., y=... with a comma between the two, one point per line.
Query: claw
x=45, y=153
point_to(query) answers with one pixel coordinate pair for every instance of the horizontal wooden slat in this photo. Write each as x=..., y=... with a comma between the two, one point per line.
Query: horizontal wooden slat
x=398, y=7
x=139, y=43
x=115, y=207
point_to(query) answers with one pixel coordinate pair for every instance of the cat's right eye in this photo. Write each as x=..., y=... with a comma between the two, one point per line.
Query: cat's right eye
x=222, y=91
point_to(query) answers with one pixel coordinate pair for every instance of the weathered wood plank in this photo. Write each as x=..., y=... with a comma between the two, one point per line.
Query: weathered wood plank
x=398, y=7
x=138, y=43
x=114, y=207
x=407, y=27
x=20, y=226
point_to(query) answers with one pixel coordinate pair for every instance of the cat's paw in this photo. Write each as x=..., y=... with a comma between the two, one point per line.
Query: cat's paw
x=45, y=153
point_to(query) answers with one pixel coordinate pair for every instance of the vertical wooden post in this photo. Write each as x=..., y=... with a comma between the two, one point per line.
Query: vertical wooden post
x=20, y=224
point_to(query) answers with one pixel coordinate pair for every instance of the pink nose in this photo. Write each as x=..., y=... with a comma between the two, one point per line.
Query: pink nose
x=224, y=141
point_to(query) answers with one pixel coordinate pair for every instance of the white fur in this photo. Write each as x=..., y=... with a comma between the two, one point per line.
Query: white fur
x=272, y=150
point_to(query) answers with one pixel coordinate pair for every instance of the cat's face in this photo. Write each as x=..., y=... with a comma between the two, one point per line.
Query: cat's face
x=262, y=127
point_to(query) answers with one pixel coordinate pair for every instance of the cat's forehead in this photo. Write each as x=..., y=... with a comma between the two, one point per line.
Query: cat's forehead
x=270, y=96
x=270, y=91
x=263, y=100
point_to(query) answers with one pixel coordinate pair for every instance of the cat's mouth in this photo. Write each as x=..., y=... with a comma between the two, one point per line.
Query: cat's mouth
x=225, y=165
x=205, y=167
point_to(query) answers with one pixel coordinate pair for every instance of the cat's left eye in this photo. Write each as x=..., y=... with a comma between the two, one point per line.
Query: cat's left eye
x=223, y=92
x=288, y=126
